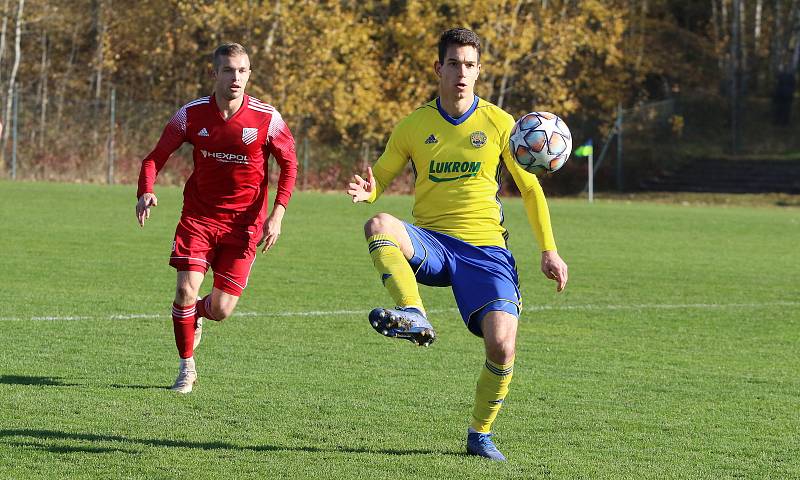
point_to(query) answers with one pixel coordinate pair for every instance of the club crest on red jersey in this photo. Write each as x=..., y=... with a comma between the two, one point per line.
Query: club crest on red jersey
x=249, y=135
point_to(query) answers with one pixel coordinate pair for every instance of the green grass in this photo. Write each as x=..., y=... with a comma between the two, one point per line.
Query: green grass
x=673, y=353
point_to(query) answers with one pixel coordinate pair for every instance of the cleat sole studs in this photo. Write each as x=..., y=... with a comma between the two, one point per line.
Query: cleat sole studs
x=375, y=324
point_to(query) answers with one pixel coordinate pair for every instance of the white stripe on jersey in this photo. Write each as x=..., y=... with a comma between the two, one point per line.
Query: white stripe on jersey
x=259, y=106
x=260, y=110
x=265, y=108
x=276, y=124
x=179, y=119
x=198, y=101
x=259, y=102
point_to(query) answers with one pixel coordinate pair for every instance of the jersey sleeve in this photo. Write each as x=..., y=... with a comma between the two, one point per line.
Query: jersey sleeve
x=280, y=144
x=392, y=161
x=172, y=138
x=532, y=197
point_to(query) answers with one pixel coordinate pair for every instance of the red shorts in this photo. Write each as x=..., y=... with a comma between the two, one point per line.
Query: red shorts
x=229, y=250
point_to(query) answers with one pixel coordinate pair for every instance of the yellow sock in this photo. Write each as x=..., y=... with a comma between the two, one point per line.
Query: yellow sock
x=396, y=273
x=489, y=395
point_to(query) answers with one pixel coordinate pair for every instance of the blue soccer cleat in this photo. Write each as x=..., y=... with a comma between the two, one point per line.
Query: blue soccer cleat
x=408, y=323
x=481, y=444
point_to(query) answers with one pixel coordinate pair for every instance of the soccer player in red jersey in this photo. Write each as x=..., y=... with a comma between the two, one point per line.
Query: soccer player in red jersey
x=224, y=217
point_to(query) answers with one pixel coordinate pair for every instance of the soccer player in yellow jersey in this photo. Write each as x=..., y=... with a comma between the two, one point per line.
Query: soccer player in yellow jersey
x=457, y=145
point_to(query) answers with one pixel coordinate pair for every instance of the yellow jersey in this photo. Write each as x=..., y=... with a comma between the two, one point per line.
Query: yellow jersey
x=457, y=163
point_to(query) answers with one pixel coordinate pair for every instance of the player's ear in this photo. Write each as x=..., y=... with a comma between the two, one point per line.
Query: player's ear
x=437, y=67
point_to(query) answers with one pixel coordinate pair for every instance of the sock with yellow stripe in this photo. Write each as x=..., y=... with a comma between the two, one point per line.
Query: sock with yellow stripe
x=396, y=273
x=489, y=395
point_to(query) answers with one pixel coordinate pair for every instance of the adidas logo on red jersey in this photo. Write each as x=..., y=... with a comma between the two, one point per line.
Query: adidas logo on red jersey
x=203, y=132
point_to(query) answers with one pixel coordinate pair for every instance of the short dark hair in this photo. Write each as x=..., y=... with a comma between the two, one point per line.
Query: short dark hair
x=227, y=50
x=460, y=37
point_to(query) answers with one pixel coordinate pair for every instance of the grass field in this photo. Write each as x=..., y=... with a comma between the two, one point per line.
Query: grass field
x=673, y=353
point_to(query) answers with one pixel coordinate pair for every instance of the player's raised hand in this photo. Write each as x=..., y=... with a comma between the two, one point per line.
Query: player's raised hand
x=555, y=268
x=146, y=201
x=361, y=189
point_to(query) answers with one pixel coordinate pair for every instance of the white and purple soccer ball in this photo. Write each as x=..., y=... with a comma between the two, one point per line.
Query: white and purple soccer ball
x=541, y=142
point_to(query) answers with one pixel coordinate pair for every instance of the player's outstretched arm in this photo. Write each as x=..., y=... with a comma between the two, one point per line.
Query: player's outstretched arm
x=272, y=227
x=555, y=268
x=360, y=189
x=146, y=201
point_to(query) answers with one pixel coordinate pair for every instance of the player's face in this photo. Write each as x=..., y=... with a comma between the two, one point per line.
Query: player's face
x=458, y=73
x=231, y=76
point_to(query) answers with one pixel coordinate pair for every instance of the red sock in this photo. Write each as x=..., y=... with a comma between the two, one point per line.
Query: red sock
x=183, y=320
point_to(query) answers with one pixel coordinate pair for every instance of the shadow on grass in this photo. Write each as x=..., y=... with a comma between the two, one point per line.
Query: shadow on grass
x=71, y=449
x=91, y=437
x=31, y=380
x=58, y=382
x=141, y=387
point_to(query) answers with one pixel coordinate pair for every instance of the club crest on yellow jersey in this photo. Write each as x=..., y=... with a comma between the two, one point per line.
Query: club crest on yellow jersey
x=478, y=139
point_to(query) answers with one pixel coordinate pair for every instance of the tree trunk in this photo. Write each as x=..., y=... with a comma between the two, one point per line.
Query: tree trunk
x=501, y=97
x=743, y=53
x=641, y=33
x=99, y=62
x=794, y=65
x=100, y=51
x=3, y=30
x=775, y=61
x=13, y=78
x=756, y=75
x=44, y=94
x=717, y=32
x=757, y=23
x=272, y=29
x=786, y=36
x=62, y=87
x=735, y=75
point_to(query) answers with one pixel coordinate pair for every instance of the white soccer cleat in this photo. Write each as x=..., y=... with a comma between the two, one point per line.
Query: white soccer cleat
x=198, y=332
x=186, y=380
x=403, y=322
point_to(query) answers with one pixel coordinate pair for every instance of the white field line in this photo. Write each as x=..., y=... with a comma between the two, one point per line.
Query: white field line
x=533, y=308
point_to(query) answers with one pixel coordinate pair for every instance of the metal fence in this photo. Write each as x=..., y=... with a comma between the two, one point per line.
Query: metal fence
x=104, y=140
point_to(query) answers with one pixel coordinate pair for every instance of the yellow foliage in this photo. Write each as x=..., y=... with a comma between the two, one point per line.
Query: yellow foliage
x=346, y=71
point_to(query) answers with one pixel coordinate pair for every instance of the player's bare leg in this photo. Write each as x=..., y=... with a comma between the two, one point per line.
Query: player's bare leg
x=499, y=335
x=390, y=248
x=220, y=305
x=217, y=306
x=388, y=224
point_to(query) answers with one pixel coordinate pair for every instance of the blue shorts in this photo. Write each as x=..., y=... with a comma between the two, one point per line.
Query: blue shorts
x=484, y=279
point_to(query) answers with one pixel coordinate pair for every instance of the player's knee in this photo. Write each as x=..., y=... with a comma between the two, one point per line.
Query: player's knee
x=501, y=350
x=500, y=336
x=380, y=223
x=185, y=294
x=220, y=312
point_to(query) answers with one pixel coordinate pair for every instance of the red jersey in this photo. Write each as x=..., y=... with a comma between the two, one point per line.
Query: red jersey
x=229, y=181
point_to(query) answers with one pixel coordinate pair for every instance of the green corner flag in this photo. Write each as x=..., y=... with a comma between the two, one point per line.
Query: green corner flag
x=584, y=150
